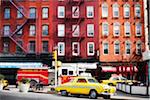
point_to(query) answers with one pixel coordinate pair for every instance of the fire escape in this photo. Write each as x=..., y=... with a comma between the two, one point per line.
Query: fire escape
x=69, y=20
x=11, y=34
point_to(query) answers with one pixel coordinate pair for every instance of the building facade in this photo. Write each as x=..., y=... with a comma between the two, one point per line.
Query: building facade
x=121, y=34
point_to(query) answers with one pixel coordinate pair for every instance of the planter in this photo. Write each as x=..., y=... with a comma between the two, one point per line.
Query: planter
x=24, y=87
x=1, y=86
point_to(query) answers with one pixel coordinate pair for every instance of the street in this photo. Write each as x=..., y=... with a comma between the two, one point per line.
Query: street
x=14, y=94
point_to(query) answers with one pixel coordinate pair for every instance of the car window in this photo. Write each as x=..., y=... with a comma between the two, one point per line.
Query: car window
x=123, y=78
x=115, y=78
x=92, y=81
x=81, y=81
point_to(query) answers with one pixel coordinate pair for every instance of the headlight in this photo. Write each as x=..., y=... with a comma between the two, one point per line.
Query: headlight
x=106, y=87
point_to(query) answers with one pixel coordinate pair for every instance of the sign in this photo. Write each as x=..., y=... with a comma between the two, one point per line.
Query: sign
x=20, y=65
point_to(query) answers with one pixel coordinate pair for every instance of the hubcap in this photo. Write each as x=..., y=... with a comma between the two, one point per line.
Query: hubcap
x=93, y=94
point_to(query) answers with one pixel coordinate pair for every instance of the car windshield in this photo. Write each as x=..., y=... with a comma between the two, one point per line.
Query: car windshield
x=92, y=80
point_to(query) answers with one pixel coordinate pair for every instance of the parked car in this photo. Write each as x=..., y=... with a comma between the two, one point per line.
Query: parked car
x=86, y=86
x=112, y=81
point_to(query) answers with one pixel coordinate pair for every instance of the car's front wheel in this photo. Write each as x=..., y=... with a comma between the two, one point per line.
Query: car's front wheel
x=93, y=94
x=64, y=93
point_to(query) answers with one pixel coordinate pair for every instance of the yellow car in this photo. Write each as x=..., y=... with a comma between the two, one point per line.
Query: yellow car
x=112, y=81
x=86, y=86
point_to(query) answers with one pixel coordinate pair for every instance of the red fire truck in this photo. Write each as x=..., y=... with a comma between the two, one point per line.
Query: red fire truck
x=36, y=75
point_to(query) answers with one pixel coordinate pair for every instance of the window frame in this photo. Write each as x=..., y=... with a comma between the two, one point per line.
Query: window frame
x=43, y=31
x=88, y=49
x=115, y=48
x=90, y=11
x=126, y=42
x=60, y=33
x=6, y=14
x=126, y=9
x=45, y=14
x=61, y=9
x=105, y=33
x=78, y=48
x=63, y=52
x=126, y=30
x=77, y=11
x=104, y=48
x=105, y=10
x=116, y=25
x=115, y=9
x=32, y=32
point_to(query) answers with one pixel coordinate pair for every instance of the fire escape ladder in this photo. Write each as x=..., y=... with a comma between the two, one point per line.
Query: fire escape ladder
x=17, y=5
x=18, y=29
x=17, y=44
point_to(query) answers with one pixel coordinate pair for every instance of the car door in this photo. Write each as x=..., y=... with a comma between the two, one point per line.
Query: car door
x=79, y=87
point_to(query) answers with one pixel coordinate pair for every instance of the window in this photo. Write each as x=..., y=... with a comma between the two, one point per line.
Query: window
x=137, y=10
x=138, y=29
x=70, y=72
x=19, y=14
x=75, y=11
x=33, y=13
x=6, y=47
x=6, y=30
x=127, y=28
x=90, y=49
x=90, y=30
x=104, y=10
x=105, y=48
x=81, y=81
x=18, y=49
x=90, y=11
x=61, y=30
x=45, y=30
x=64, y=71
x=116, y=29
x=61, y=11
x=117, y=47
x=75, y=30
x=20, y=32
x=75, y=49
x=128, y=48
x=32, y=46
x=105, y=29
x=45, y=12
x=115, y=10
x=138, y=48
x=61, y=48
x=7, y=13
x=32, y=30
x=45, y=46
x=126, y=11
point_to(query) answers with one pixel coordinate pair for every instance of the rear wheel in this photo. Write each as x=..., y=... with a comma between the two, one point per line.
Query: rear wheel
x=93, y=94
x=64, y=93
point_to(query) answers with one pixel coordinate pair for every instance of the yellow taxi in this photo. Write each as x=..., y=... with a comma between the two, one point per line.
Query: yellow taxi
x=86, y=86
x=112, y=81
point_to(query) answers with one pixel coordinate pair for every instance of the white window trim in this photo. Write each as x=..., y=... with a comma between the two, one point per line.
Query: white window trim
x=126, y=47
x=126, y=5
x=137, y=5
x=77, y=11
x=43, y=14
x=114, y=47
x=78, y=27
x=58, y=33
x=103, y=29
x=104, y=14
x=88, y=30
x=125, y=28
x=103, y=47
x=88, y=10
x=73, y=53
x=115, y=5
x=140, y=29
x=58, y=8
x=90, y=54
x=116, y=23
x=137, y=46
x=63, y=52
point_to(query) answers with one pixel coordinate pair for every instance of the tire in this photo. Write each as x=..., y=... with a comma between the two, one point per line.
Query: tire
x=93, y=94
x=33, y=83
x=64, y=93
x=106, y=96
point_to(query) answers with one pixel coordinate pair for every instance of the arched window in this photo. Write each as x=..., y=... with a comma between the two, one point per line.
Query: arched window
x=105, y=29
x=116, y=29
x=115, y=10
x=126, y=10
x=104, y=10
x=127, y=47
x=138, y=47
x=138, y=29
x=127, y=29
x=137, y=10
x=105, y=48
x=117, y=47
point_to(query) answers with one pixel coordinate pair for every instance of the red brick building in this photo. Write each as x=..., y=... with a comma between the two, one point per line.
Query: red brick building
x=121, y=38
